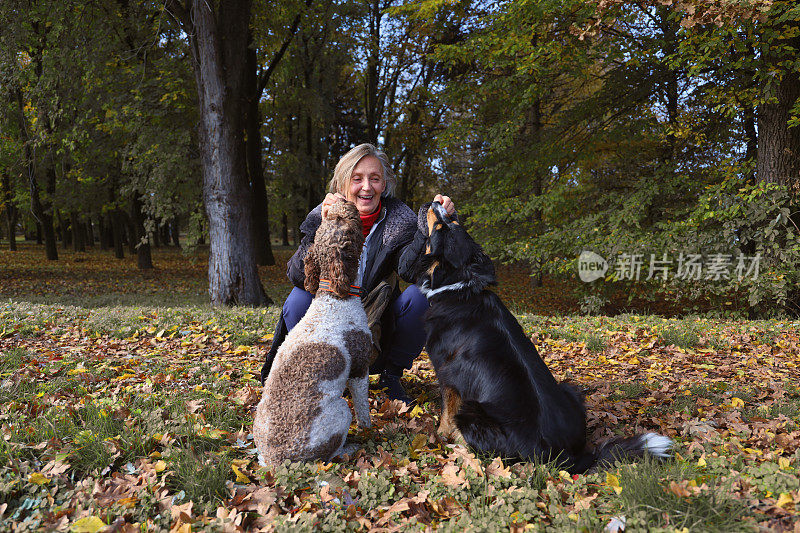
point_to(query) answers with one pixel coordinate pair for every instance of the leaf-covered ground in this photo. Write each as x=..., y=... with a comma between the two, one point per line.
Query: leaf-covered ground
x=138, y=418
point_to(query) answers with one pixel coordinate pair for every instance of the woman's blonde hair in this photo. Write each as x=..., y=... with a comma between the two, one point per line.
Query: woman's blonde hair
x=344, y=169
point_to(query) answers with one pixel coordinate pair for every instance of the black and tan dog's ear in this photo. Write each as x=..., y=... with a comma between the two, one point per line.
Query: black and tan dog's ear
x=311, y=264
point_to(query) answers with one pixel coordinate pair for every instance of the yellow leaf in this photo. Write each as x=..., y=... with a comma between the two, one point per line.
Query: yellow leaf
x=785, y=500
x=213, y=433
x=702, y=461
x=89, y=524
x=416, y=411
x=38, y=478
x=160, y=465
x=613, y=482
x=634, y=361
x=737, y=402
x=418, y=442
x=241, y=349
x=240, y=478
x=79, y=370
x=783, y=463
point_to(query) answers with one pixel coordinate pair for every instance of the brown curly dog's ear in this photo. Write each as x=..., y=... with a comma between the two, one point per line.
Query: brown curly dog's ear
x=340, y=281
x=311, y=264
x=342, y=275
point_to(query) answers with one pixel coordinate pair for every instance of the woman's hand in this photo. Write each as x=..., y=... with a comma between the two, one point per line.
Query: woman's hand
x=330, y=199
x=446, y=202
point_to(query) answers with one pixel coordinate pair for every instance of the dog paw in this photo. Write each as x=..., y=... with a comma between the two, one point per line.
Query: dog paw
x=457, y=438
x=451, y=435
x=348, y=449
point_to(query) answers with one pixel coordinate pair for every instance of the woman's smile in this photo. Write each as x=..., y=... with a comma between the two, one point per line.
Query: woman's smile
x=366, y=185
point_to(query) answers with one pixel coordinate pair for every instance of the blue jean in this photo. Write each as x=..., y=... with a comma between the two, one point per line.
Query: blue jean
x=406, y=311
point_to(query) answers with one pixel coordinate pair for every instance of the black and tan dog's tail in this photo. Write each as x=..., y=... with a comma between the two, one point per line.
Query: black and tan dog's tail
x=629, y=448
x=623, y=449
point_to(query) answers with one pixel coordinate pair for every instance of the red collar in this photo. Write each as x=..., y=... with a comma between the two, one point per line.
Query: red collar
x=369, y=220
x=325, y=285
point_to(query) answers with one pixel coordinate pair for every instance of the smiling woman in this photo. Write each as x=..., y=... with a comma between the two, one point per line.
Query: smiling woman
x=364, y=176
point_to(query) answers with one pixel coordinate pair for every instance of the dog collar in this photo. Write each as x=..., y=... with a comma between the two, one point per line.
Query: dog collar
x=325, y=285
x=430, y=293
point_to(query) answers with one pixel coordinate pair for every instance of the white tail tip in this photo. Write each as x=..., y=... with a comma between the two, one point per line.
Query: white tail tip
x=657, y=445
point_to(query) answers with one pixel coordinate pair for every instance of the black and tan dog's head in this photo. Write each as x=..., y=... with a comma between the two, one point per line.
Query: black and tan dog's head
x=336, y=250
x=451, y=256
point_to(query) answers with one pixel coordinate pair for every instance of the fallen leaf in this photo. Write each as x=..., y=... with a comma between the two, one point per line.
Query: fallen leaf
x=453, y=476
x=496, y=468
x=785, y=500
x=613, y=482
x=38, y=478
x=240, y=477
x=89, y=524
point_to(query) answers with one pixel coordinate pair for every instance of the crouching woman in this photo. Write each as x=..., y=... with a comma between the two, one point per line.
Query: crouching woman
x=363, y=176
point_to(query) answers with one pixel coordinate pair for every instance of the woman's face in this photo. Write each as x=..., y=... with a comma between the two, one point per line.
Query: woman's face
x=366, y=185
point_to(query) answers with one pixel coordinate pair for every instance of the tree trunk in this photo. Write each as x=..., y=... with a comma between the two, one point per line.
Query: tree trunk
x=778, y=159
x=11, y=212
x=41, y=212
x=371, y=78
x=11, y=217
x=174, y=228
x=89, y=232
x=66, y=230
x=106, y=235
x=130, y=231
x=219, y=39
x=255, y=168
x=117, y=228
x=39, y=234
x=45, y=215
x=751, y=141
x=77, y=233
x=285, y=229
x=144, y=259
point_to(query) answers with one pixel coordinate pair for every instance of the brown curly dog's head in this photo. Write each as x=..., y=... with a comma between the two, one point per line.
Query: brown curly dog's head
x=336, y=250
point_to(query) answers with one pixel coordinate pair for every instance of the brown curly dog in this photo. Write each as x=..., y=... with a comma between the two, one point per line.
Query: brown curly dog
x=302, y=414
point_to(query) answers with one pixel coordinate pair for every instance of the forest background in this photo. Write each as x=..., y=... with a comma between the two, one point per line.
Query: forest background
x=557, y=126
x=662, y=137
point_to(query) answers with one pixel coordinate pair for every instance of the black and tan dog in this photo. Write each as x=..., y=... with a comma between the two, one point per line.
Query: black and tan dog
x=496, y=390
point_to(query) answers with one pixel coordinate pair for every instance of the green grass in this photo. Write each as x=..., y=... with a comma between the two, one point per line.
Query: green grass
x=595, y=343
x=648, y=501
x=13, y=359
x=683, y=336
x=201, y=475
x=563, y=334
x=633, y=389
